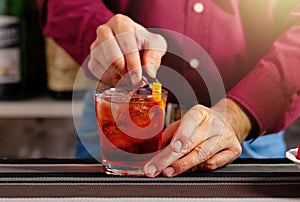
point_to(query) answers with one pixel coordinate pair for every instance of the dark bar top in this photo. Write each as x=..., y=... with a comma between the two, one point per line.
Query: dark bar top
x=52, y=178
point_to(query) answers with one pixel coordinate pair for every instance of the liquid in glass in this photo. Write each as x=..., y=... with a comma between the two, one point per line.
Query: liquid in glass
x=130, y=127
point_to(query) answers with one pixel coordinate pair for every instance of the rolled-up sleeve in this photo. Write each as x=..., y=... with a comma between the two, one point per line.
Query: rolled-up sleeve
x=73, y=24
x=271, y=91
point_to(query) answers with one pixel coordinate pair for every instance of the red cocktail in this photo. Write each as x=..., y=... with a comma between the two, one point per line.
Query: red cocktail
x=130, y=126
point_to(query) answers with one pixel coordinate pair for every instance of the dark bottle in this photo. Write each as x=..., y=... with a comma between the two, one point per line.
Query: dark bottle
x=10, y=55
x=25, y=57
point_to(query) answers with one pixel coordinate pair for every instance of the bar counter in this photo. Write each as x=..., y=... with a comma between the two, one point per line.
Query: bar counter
x=83, y=180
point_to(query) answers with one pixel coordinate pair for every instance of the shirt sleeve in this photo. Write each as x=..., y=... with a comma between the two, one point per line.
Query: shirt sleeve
x=271, y=91
x=72, y=24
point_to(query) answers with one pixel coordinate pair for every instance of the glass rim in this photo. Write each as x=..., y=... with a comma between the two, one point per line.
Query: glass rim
x=99, y=92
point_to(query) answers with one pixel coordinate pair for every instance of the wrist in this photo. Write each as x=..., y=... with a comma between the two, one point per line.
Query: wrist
x=236, y=116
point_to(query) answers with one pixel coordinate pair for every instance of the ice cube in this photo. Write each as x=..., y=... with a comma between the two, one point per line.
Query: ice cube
x=145, y=90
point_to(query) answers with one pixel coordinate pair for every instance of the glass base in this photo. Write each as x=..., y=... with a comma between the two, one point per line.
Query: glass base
x=122, y=170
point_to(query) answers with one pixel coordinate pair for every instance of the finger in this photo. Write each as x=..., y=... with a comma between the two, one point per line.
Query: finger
x=210, y=155
x=96, y=68
x=199, y=154
x=128, y=45
x=107, y=76
x=169, y=132
x=124, y=30
x=151, y=61
x=159, y=162
x=189, y=132
x=106, y=52
x=219, y=160
x=181, y=144
x=113, y=57
x=155, y=47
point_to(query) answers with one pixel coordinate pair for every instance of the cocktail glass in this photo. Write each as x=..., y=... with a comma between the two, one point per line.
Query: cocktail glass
x=130, y=124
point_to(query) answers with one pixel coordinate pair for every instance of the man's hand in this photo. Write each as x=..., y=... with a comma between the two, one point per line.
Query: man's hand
x=122, y=48
x=205, y=139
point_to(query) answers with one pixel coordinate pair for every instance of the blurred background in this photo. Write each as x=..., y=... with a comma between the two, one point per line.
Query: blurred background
x=36, y=86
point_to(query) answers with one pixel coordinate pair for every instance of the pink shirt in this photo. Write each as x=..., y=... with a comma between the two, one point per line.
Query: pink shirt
x=255, y=44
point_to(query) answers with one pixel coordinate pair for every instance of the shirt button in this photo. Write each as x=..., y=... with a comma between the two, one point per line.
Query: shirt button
x=194, y=63
x=198, y=7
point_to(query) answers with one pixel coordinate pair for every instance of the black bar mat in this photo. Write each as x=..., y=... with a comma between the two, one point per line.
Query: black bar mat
x=244, y=178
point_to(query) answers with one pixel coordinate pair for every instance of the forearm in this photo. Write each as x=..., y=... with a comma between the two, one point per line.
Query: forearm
x=236, y=116
x=270, y=91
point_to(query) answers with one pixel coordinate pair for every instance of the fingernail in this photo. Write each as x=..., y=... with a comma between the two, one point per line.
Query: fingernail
x=152, y=71
x=151, y=170
x=134, y=78
x=169, y=171
x=177, y=146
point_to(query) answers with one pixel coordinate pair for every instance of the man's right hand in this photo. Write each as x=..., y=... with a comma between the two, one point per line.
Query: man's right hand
x=122, y=48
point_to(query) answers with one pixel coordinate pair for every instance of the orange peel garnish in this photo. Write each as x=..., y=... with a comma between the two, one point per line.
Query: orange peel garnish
x=156, y=91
